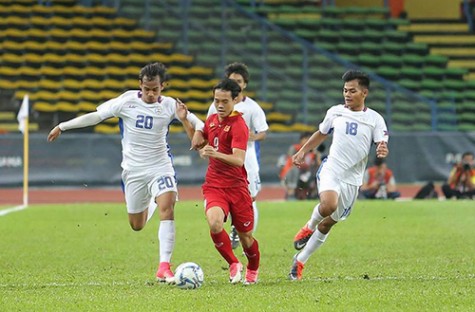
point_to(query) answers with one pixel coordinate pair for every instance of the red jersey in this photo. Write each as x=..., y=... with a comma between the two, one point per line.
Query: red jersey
x=230, y=133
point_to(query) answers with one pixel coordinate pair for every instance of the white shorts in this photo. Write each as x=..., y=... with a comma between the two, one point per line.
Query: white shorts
x=141, y=186
x=254, y=182
x=347, y=193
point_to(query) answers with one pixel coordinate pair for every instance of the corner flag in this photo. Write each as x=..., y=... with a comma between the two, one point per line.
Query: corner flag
x=22, y=116
x=23, y=126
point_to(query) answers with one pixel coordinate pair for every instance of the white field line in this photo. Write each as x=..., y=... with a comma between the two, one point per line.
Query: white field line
x=4, y=212
x=328, y=279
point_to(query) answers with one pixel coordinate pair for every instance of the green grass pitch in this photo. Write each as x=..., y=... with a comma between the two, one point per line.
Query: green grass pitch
x=387, y=256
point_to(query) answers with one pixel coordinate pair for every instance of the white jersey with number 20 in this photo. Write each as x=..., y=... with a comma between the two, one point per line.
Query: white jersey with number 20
x=144, y=129
x=353, y=135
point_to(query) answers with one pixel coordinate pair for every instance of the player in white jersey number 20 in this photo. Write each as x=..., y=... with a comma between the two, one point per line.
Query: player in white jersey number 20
x=355, y=128
x=148, y=173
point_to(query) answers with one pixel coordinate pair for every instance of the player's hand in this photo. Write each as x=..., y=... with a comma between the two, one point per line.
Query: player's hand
x=382, y=150
x=297, y=159
x=198, y=141
x=207, y=151
x=181, y=109
x=54, y=134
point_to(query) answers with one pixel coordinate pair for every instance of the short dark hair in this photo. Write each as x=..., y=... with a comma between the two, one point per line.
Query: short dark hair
x=467, y=154
x=352, y=74
x=228, y=85
x=237, y=68
x=152, y=70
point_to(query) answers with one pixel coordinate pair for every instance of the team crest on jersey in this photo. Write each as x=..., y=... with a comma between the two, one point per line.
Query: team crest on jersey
x=226, y=129
x=212, y=125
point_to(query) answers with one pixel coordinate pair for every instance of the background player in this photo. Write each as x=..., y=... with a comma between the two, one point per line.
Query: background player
x=255, y=119
x=226, y=188
x=355, y=127
x=148, y=173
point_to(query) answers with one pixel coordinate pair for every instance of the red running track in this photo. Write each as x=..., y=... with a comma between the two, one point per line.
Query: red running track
x=14, y=196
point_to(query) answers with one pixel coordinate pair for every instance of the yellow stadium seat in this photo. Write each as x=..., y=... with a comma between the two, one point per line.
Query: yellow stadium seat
x=276, y=127
x=49, y=85
x=91, y=84
x=86, y=106
x=106, y=129
x=8, y=84
x=300, y=127
x=68, y=107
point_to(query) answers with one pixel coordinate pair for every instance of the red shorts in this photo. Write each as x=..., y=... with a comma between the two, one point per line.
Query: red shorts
x=236, y=202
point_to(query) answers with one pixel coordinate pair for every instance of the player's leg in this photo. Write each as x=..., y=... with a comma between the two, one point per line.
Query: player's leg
x=217, y=210
x=164, y=190
x=166, y=235
x=137, y=198
x=345, y=202
x=243, y=218
x=329, y=188
x=254, y=189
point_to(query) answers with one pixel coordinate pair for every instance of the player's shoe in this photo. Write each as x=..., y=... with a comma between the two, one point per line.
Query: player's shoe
x=164, y=274
x=251, y=277
x=235, y=272
x=234, y=238
x=302, y=237
x=296, y=269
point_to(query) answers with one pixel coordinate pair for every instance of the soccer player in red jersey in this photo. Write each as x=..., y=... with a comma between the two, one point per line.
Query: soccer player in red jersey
x=226, y=187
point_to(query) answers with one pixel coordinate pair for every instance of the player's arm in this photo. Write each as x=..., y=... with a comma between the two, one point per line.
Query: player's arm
x=189, y=120
x=260, y=136
x=234, y=159
x=315, y=140
x=79, y=122
x=382, y=149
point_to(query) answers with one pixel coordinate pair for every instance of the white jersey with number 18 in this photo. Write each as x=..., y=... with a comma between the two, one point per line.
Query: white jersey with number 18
x=353, y=135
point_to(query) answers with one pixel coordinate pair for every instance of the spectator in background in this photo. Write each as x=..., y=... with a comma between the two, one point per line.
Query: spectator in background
x=461, y=181
x=300, y=182
x=379, y=182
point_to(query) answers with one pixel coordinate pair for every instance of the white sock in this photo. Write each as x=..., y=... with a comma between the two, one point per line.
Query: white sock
x=166, y=239
x=151, y=208
x=256, y=216
x=313, y=244
x=315, y=219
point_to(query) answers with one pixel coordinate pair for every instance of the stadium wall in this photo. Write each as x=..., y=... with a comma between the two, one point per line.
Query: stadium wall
x=79, y=159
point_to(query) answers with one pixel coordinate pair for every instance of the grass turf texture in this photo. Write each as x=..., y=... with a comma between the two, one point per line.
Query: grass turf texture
x=388, y=256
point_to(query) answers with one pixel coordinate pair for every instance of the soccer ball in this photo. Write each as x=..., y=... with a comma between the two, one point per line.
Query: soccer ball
x=189, y=275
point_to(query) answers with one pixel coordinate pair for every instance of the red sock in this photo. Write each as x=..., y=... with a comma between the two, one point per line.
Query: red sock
x=253, y=256
x=223, y=245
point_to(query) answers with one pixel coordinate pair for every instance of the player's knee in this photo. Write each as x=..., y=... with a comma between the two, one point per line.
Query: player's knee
x=327, y=208
x=136, y=226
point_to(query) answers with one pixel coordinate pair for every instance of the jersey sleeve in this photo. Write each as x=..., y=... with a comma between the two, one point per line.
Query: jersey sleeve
x=326, y=126
x=110, y=108
x=240, y=136
x=380, y=130
x=259, y=122
x=211, y=110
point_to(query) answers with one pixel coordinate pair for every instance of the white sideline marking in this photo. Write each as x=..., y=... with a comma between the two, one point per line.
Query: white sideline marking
x=54, y=284
x=4, y=212
x=320, y=279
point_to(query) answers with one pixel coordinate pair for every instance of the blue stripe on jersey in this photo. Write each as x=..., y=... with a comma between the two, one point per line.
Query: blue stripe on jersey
x=320, y=168
x=257, y=146
x=121, y=127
